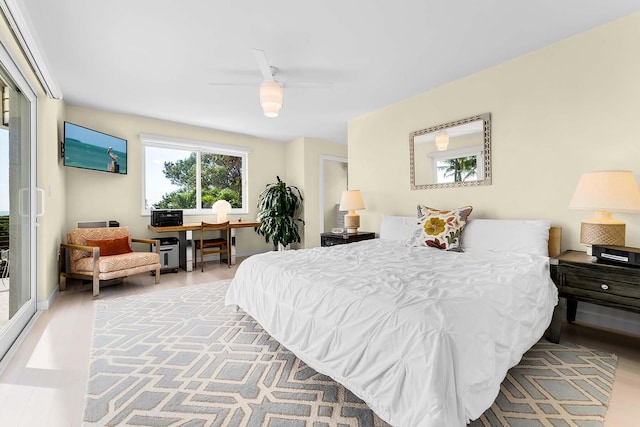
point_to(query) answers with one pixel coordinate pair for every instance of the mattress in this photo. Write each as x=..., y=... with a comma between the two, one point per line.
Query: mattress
x=423, y=336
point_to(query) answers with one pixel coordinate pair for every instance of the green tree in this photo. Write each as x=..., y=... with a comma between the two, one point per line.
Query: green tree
x=221, y=179
x=461, y=168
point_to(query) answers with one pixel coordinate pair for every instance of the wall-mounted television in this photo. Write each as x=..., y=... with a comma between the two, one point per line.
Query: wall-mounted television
x=89, y=149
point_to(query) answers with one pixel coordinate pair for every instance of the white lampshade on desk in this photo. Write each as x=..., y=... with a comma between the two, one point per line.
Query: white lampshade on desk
x=221, y=208
x=351, y=201
x=605, y=192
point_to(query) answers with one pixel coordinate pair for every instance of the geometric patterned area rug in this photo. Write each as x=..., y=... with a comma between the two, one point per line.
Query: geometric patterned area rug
x=178, y=357
x=554, y=385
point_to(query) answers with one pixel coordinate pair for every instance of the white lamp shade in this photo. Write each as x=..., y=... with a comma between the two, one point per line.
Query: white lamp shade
x=351, y=200
x=221, y=208
x=271, y=98
x=615, y=191
x=442, y=141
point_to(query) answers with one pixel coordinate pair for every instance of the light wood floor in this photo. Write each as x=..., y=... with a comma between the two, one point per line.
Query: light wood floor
x=44, y=382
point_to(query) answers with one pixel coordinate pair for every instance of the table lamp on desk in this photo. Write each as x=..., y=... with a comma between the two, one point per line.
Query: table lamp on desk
x=221, y=208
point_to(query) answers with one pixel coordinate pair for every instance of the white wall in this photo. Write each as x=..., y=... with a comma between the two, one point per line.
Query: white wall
x=557, y=112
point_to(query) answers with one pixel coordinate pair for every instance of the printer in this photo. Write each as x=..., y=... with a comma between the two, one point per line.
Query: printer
x=166, y=218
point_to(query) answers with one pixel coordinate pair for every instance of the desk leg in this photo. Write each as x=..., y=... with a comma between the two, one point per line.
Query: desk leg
x=186, y=250
x=223, y=257
x=189, y=250
x=233, y=246
x=182, y=238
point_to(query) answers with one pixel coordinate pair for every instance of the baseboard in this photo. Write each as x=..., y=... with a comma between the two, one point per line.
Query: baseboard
x=610, y=318
x=18, y=342
x=46, y=304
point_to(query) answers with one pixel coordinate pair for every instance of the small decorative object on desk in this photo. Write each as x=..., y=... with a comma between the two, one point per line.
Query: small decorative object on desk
x=337, y=230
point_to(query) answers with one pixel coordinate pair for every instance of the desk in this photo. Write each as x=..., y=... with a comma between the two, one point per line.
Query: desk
x=185, y=236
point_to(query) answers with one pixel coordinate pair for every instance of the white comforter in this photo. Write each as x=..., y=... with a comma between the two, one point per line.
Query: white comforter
x=424, y=336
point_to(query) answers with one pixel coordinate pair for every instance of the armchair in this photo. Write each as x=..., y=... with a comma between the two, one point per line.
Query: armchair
x=103, y=254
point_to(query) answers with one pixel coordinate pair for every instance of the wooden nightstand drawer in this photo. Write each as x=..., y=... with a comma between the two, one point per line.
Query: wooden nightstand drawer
x=331, y=239
x=593, y=281
x=580, y=277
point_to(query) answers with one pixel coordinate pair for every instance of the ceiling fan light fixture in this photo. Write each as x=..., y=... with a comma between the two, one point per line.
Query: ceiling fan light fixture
x=442, y=141
x=271, y=98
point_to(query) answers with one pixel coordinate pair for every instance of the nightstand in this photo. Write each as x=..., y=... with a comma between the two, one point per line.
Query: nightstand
x=331, y=239
x=580, y=277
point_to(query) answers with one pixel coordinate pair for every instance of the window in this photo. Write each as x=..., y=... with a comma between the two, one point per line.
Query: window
x=192, y=175
x=458, y=165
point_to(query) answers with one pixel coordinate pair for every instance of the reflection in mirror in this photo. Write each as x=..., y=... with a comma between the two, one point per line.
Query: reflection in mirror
x=455, y=154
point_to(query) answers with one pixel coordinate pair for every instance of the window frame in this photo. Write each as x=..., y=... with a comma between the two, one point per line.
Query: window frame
x=456, y=153
x=199, y=147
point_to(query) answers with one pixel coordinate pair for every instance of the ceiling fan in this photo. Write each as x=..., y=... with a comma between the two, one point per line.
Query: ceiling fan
x=271, y=90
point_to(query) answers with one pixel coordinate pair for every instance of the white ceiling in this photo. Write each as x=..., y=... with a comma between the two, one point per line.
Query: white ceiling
x=157, y=58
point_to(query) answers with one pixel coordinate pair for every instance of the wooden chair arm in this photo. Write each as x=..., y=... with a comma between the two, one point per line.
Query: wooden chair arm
x=80, y=247
x=93, y=249
x=149, y=241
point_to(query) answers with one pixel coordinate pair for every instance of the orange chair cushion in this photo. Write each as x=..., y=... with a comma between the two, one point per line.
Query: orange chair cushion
x=125, y=262
x=116, y=246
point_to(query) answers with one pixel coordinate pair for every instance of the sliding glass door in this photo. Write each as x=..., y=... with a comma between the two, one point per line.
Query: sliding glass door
x=17, y=204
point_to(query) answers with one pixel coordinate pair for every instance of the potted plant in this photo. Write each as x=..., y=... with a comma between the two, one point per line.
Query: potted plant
x=278, y=207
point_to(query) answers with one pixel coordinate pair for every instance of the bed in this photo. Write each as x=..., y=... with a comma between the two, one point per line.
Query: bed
x=423, y=336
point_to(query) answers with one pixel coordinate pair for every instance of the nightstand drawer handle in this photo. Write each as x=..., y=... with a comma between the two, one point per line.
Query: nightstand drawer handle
x=604, y=287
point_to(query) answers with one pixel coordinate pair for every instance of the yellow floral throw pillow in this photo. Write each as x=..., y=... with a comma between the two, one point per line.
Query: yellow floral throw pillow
x=440, y=229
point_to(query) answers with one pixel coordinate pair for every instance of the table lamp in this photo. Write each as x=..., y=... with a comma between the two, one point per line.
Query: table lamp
x=351, y=201
x=604, y=192
x=221, y=208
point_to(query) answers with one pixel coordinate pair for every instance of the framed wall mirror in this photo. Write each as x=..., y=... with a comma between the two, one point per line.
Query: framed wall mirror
x=455, y=154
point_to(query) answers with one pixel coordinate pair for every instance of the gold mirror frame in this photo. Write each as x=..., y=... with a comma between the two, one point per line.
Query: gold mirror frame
x=486, y=153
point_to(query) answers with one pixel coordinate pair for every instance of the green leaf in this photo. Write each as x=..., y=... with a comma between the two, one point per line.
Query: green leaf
x=278, y=206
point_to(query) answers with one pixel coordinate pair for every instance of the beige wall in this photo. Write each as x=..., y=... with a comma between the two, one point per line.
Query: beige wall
x=95, y=195
x=51, y=179
x=295, y=176
x=50, y=176
x=303, y=166
x=557, y=112
x=314, y=148
x=335, y=182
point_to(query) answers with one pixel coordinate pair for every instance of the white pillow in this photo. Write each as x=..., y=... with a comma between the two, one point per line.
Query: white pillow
x=507, y=235
x=399, y=228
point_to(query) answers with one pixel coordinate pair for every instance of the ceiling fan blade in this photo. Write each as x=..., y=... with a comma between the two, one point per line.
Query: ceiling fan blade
x=239, y=84
x=308, y=85
x=265, y=68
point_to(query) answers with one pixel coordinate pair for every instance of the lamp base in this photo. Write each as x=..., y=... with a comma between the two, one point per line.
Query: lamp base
x=352, y=222
x=602, y=234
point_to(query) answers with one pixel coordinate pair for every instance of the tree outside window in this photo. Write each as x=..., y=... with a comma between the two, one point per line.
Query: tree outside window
x=183, y=179
x=460, y=169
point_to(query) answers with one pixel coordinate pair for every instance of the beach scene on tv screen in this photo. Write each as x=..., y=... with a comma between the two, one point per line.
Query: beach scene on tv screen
x=89, y=149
